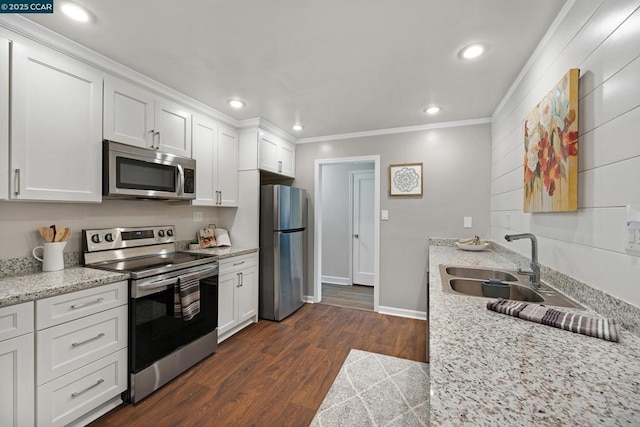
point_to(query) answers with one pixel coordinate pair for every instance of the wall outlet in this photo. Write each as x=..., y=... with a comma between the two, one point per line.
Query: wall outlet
x=197, y=217
x=468, y=221
x=507, y=221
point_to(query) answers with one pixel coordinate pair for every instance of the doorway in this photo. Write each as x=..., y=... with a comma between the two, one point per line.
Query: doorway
x=347, y=224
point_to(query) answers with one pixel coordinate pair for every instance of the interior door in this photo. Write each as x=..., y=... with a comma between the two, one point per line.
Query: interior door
x=363, y=228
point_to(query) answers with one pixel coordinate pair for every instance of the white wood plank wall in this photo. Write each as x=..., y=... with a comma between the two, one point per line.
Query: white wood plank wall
x=602, y=38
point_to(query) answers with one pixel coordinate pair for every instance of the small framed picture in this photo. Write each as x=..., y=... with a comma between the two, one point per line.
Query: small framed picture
x=405, y=179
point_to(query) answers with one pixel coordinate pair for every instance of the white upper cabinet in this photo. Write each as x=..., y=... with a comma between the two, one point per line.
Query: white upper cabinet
x=227, y=177
x=276, y=155
x=4, y=119
x=56, y=127
x=215, y=149
x=135, y=116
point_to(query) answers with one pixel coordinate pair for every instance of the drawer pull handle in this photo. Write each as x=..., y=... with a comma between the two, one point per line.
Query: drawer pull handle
x=238, y=263
x=75, y=306
x=78, y=393
x=75, y=344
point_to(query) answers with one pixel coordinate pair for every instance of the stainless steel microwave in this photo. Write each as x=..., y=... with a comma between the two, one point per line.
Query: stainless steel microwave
x=130, y=172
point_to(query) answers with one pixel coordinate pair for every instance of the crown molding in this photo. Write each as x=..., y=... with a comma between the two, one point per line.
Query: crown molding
x=26, y=30
x=534, y=56
x=257, y=124
x=390, y=131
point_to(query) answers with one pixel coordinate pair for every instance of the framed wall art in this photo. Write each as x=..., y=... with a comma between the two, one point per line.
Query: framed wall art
x=551, y=150
x=405, y=179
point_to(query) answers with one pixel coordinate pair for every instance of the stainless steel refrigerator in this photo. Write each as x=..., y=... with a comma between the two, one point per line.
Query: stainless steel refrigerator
x=283, y=222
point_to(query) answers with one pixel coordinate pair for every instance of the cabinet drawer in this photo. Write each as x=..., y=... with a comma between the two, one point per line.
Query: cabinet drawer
x=63, y=308
x=69, y=397
x=16, y=320
x=66, y=347
x=237, y=263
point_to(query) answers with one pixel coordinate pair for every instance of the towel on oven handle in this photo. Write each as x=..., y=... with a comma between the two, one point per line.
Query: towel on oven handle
x=186, y=299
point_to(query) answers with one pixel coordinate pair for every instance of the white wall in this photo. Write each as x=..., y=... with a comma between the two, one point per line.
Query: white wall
x=456, y=184
x=19, y=221
x=335, y=218
x=602, y=38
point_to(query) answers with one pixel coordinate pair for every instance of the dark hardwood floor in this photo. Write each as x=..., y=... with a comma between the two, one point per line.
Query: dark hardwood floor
x=273, y=373
x=354, y=296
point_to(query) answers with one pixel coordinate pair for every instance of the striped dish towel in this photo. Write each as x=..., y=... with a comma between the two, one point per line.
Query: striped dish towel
x=594, y=327
x=186, y=299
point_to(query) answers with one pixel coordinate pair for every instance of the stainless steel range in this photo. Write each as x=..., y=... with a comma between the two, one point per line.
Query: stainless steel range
x=173, y=306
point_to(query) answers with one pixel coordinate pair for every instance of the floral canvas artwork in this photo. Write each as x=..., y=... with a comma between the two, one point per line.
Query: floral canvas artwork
x=405, y=179
x=551, y=150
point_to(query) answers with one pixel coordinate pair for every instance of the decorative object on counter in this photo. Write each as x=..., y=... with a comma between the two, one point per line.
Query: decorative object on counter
x=206, y=238
x=473, y=244
x=55, y=239
x=606, y=329
x=52, y=255
x=194, y=245
x=213, y=237
x=551, y=150
x=405, y=179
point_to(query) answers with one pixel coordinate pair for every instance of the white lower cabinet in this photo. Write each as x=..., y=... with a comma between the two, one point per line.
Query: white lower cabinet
x=81, y=354
x=17, y=393
x=237, y=294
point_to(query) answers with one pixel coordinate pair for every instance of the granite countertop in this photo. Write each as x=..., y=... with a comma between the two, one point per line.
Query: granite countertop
x=488, y=368
x=222, y=252
x=14, y=290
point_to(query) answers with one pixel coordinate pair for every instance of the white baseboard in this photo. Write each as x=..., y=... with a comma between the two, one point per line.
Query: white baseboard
x=309, y=299
x=401, y=312
x=335, y=280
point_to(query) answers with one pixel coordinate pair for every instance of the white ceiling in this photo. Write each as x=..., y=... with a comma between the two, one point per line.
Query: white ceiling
x=337, y=66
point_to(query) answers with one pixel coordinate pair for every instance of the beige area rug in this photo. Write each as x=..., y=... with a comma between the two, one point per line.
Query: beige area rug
x=372, y=389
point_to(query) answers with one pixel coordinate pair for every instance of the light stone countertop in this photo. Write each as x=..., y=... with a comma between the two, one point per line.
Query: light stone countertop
x=222, y=252
x=14, y=290
x=488, y=368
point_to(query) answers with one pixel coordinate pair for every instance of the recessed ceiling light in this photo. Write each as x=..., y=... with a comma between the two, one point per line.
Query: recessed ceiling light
x=297, y=127
x=236, y=103
x=472, y=51
x=432, y=110
x=76, y=12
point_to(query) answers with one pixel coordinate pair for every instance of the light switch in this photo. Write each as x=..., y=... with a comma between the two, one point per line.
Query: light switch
x=197, y=217
x=467, y=222
x=384, y=215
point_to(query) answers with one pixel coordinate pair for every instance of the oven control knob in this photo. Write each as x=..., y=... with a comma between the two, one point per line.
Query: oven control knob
x=95, y=238
x=161, y=233
x=108, y=237
x=169, y=232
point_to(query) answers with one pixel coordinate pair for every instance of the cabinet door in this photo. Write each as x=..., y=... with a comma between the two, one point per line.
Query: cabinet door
x=173, y=124
x=205, y=141
x=17, y=392
x=268, y=153
x=227, y=293
x=286, y=159
x=4, y=119
x=128, y=113
x=247, y=296
x=227, y=161
x=56, y=127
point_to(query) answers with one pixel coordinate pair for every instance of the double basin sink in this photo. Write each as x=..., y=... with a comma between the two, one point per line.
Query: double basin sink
x=494, y=283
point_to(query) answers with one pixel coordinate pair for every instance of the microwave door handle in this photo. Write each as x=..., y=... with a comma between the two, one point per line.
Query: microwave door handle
x=180, y=189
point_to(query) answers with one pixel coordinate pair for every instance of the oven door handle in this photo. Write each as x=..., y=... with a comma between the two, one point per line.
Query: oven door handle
x=174, y=280
x=200, y=274
x=158, y=284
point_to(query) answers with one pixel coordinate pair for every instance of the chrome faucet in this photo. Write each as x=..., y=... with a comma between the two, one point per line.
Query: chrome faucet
x=534, y=271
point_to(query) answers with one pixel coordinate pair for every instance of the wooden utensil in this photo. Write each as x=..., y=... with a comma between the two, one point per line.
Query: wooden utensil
x=59, y=234
x=67, y=234
x=43, y=233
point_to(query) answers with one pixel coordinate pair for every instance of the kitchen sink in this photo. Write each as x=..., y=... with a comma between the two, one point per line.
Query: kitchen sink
x=495, y=283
